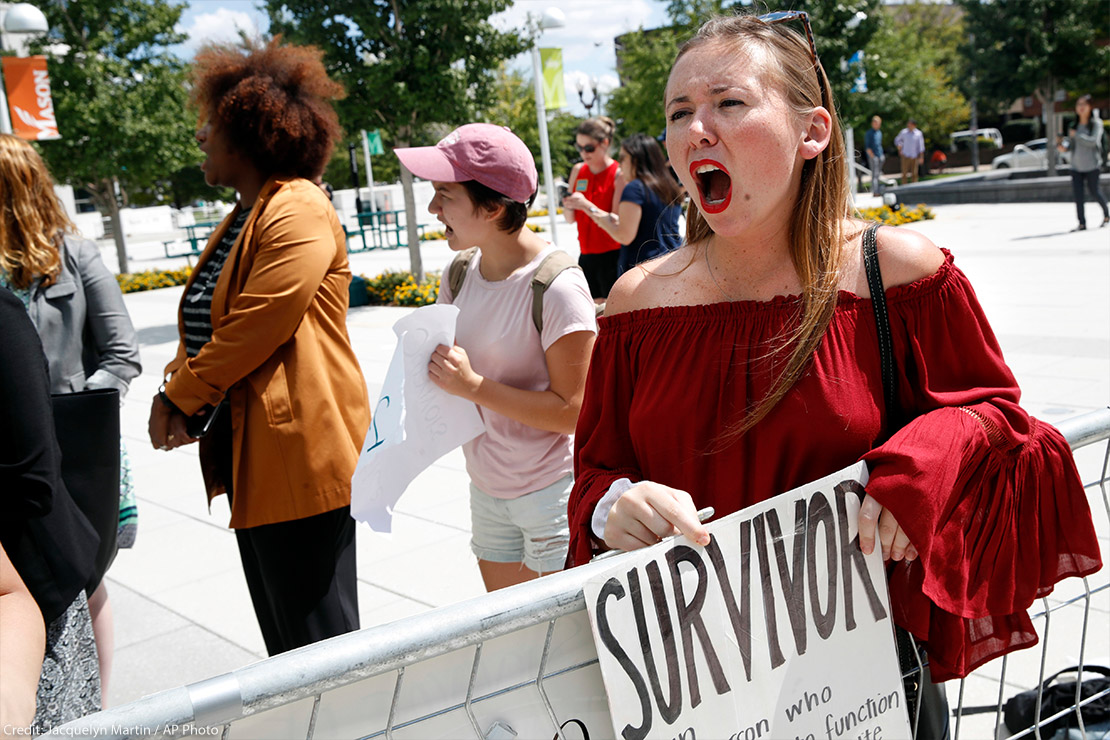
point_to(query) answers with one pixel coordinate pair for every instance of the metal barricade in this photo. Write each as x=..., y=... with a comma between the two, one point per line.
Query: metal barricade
x=300, y=684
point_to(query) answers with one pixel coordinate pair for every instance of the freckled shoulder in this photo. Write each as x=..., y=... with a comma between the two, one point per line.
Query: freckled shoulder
x=906, y=256
x=627, y=293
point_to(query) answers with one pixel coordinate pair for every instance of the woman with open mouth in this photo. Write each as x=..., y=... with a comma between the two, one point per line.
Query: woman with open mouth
x=519, y=355
x=757, y=358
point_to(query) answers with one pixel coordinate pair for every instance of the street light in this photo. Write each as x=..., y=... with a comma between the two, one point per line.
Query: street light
x=551, y=18
x=849, y=136
x=582, y=82
x=22, y=21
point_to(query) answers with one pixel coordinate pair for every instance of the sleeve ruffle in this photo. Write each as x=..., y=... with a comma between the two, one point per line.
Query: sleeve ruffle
x=998, y=518
x=988, y=495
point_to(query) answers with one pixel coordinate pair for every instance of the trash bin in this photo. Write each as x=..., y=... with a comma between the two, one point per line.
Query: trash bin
x=358, y=293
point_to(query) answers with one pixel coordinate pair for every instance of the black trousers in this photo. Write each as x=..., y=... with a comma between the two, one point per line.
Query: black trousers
x=301, y=573
x=301, y=576
x=1090, y=179
x=601, y=271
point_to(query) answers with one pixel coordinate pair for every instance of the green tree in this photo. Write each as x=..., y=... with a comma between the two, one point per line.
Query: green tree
x=910, y=63
x=645, y=63
x=1018, y=47
x=407, y=64
x=119, y=96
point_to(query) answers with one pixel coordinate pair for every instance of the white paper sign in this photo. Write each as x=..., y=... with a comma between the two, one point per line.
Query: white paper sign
x=779, y=628
x=414, y=423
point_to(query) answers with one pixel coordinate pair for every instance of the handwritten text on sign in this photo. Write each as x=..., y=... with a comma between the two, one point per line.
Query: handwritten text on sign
x=414, y=423
x=779, y=628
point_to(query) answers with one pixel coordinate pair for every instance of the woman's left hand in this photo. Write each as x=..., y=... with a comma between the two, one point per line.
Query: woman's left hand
x=449, y=368
x=166, y=426
x=895, y=543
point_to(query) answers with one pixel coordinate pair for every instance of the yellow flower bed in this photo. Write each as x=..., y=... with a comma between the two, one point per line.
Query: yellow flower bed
x=134, y=282
x=400, y=289
x=904, y=215
x=411, y=294
x=387, y=289
x=537, y=212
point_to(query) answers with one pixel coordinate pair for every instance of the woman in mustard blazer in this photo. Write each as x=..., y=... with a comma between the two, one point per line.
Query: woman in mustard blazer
x=264, y=349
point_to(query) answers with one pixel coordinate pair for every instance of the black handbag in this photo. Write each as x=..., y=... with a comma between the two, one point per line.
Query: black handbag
x=1020, y=710
x=87, y=428
x=925, y=701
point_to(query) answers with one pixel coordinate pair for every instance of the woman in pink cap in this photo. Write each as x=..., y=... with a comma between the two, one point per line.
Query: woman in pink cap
x=526, y=373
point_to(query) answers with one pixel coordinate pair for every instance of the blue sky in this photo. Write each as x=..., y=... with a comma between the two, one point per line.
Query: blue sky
x=586, y=41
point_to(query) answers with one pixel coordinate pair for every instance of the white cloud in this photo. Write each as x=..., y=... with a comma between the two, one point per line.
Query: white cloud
x=221, y=26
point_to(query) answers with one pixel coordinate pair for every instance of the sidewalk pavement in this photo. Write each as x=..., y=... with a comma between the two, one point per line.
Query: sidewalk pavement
x=181, y=607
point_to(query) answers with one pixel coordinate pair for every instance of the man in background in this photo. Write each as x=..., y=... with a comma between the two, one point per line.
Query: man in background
x=911, y=149
x=873, y=145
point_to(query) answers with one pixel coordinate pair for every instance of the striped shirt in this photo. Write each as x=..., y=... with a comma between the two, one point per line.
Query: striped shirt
x=197, y=307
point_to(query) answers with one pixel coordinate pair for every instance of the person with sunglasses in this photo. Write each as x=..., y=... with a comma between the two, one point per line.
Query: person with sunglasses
x=748, y=363
x=595, y=188
x=646, y=222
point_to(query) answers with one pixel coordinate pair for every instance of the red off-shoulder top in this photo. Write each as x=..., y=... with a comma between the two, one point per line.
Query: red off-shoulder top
x=989, y=496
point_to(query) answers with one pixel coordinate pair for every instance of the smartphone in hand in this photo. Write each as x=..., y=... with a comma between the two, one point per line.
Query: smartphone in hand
x=200, y=424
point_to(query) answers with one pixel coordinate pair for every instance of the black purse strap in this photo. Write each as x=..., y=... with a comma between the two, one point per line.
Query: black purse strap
x=909, y=659
x=882, y=325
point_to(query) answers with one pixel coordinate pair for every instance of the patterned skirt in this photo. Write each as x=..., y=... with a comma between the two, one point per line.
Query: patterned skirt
x=69, y=686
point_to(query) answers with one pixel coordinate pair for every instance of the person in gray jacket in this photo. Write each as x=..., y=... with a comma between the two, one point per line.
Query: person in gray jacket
x=77, y=308
x=1085, y=143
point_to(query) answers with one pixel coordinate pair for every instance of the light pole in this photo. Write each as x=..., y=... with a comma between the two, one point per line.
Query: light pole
x=582, y=82
x=551, y=18
x=849, y=136
x=19, y=20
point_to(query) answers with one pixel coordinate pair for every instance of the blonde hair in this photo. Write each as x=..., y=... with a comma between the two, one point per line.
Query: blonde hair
x=823, y=202
x=32, y=219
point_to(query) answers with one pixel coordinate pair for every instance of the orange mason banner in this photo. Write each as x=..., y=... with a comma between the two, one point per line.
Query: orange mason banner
x=28, y=85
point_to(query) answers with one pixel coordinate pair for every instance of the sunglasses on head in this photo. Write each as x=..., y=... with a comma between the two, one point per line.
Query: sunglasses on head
x=785, y=16
x=588, y=149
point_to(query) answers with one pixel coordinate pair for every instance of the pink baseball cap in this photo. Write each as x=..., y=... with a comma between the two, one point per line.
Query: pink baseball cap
x=492, y=155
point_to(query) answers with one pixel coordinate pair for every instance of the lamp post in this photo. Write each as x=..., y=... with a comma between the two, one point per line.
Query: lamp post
x=551, y=18
x=849, y=135
x=582, y=83
x=19, y=20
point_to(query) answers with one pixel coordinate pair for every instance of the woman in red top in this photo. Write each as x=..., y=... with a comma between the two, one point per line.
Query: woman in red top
x=595, y=187
x=747, y=363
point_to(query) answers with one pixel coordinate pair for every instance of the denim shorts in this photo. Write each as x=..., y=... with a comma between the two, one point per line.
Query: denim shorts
x=531, y=529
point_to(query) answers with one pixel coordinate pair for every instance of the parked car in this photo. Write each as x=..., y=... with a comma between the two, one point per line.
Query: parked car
x=990, y=137
x=1031, y=154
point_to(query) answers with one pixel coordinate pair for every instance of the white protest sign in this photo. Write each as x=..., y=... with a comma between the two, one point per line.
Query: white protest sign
x=779, y=628
x=414, y=423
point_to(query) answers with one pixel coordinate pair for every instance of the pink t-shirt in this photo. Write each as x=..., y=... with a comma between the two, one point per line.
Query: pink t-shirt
x=495, y=328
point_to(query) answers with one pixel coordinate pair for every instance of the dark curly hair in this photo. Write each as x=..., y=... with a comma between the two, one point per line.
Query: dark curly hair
x=273, y=103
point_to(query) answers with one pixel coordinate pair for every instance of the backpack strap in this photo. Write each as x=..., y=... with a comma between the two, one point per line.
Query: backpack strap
x=456, y=271
x=550, y=268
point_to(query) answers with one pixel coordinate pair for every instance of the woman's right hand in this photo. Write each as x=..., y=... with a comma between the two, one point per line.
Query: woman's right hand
x=649, y=512
x=576, y=201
